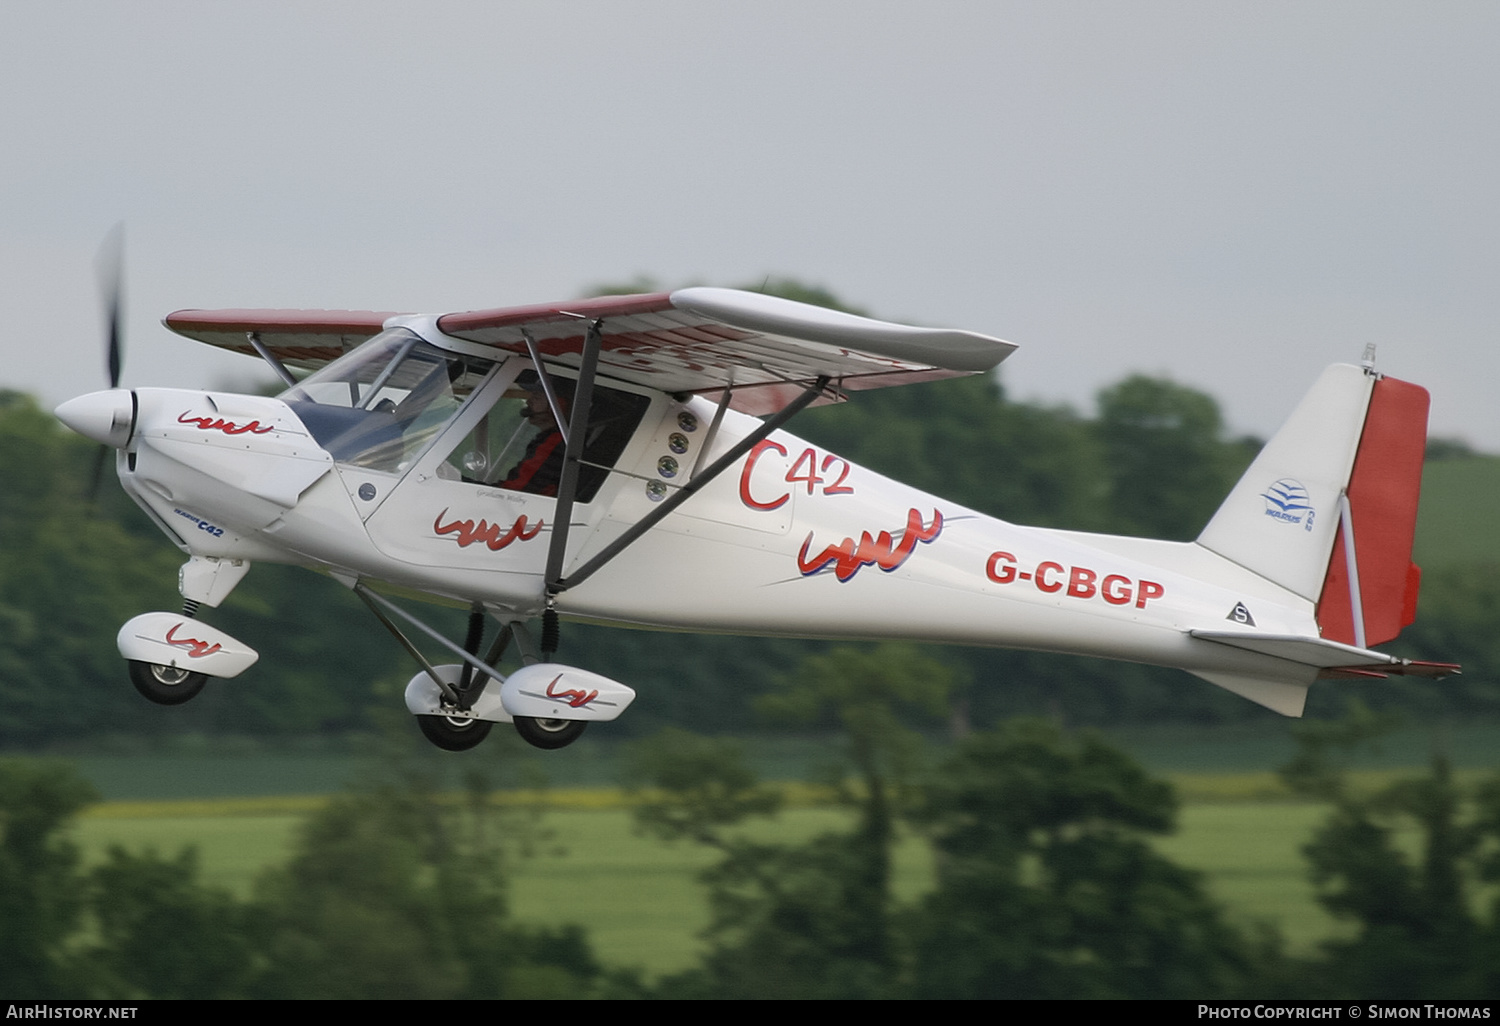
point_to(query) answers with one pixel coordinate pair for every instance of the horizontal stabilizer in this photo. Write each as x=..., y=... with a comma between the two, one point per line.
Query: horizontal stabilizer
x=1304, y=649
x=1322, y=659
x=1332, y=658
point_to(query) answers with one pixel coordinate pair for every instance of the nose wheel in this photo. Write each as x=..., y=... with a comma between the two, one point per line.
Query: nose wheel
x=183, y=642
x=165, y=685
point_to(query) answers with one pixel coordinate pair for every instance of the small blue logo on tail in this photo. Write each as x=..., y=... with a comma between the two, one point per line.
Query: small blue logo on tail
x=1288, y=501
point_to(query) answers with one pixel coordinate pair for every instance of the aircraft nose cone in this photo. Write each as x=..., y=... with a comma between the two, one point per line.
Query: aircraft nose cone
x=106, y=417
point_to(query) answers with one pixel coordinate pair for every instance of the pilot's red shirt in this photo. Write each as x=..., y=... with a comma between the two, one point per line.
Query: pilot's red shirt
x=540, y=469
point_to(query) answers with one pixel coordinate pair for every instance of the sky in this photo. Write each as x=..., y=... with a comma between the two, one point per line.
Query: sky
x=1232, y=195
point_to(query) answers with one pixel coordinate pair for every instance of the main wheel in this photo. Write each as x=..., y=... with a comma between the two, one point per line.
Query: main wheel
x=549, y=734
x=165, y=685
x=454, y=733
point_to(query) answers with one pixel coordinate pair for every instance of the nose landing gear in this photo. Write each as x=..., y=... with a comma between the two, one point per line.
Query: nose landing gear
x=160, y=648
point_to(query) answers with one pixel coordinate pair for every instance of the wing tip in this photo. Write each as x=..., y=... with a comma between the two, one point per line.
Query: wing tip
x=354, y=322
x=949, y=348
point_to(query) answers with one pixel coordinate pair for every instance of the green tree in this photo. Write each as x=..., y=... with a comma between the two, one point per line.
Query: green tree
x=700, y=786
x=1416, y=931
x=1048, y=886
x=963, y=441
x=164, y=935
x=138, y=926
x=395, y=892
x=1419, y=928
x=810, y=920
x=42, y=896
x=69, y=578
x=788, y=921
x=1460, y=606
x=1169, y=465
x=872, y=696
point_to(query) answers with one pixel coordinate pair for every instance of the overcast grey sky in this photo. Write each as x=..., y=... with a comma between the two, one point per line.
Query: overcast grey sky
x=1230, y=194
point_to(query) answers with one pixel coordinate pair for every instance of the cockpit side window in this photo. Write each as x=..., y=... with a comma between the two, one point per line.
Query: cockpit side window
x=528, y=456
x=380, y=405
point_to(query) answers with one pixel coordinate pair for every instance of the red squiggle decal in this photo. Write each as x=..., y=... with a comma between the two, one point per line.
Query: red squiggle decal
x=196, y=649
x=468, y=532
x=229, y=427
x=574, y=697
x=847, y=557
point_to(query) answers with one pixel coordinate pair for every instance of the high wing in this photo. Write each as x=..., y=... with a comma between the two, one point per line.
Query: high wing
x=765, y=349
x=299, y=338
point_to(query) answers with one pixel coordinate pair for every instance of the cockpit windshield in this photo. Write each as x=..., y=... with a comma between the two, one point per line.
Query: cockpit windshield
x=380, y=405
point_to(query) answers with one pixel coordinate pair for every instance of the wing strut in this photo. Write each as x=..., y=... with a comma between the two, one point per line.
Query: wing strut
x=567, y=487
x=713, y=429
x=253, y=337
x=547, y=387
x=462, y=698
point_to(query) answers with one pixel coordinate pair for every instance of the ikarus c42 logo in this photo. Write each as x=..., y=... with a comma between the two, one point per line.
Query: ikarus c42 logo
x=1289, y=502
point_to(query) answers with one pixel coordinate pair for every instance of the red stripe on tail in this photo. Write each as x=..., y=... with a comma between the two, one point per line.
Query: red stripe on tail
x=1383, y=493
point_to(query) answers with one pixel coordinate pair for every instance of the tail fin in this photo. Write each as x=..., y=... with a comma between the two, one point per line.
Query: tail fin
x=1328, y=510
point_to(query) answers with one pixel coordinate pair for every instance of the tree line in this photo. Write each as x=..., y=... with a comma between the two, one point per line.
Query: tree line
x=1046, y=881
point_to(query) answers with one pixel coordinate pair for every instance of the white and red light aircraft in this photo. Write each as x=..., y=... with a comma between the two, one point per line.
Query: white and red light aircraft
x=641, y=489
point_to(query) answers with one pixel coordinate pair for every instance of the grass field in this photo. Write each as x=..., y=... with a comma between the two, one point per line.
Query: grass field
x=639, y=899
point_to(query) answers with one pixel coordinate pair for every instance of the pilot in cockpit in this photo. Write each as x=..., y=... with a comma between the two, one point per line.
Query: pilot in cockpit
x=529, y=457
x=540, y=467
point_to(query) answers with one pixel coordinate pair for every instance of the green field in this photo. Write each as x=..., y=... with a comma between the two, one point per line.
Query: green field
x=638, y=897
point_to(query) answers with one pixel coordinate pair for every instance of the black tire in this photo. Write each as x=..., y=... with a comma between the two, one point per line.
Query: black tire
x=454, y=733
x=165, y=685
x=549, y=734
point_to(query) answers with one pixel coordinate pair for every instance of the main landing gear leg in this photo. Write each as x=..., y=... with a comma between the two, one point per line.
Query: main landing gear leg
x=461, y=730
x=549, y=703
x=454, y=727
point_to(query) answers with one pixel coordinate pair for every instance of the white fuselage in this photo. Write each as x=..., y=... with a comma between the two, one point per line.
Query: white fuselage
x=790, y=540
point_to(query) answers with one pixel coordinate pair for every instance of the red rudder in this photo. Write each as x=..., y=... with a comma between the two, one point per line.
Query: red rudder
x=1383, y=492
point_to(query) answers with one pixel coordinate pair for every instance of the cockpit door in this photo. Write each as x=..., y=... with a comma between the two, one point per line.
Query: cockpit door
x=483, y=496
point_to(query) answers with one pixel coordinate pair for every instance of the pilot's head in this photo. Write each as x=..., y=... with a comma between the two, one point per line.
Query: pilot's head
x=537, y=410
